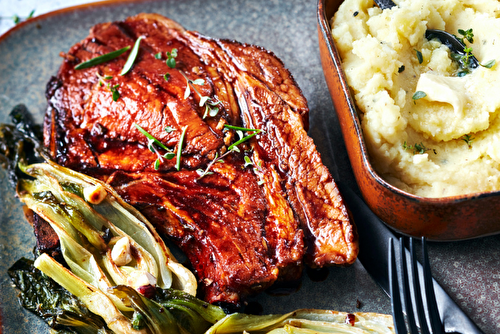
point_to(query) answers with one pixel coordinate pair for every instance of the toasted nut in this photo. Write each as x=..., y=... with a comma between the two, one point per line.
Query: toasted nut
x=95, y=194
x=120, y=253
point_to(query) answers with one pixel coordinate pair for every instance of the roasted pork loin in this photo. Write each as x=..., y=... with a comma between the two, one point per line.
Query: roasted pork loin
x=242, y=225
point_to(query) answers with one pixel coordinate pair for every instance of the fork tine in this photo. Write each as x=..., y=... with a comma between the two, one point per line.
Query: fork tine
x=430, y=296
x=406, y=289
x=397, y=310
x=424, y=329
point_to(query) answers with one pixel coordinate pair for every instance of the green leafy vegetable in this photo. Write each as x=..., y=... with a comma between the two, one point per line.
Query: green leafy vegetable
x=132, y=56
x=101, y=59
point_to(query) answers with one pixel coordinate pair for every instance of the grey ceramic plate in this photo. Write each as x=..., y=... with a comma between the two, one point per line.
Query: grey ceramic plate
x=30, y=55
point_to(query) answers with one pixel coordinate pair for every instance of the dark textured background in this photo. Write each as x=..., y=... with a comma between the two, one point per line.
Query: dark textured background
x=469, y=270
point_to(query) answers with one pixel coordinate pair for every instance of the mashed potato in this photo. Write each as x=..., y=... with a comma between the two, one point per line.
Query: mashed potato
x=448, y=142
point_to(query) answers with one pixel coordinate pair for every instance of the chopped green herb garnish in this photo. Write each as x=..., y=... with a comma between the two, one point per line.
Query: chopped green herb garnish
x=419, y=57
x=248, y=162
x=467, y=34
x=158, y=55
x=31, y=14
x=179, y=149
x=417, y=148
x=166, y=76
x=171, y=58
x=151, y=146
x=16, y=19
x=418, y=95
x=101, y=59
x=468, y=140
x=489, y=64
x=131, y=57
x=211, y=108
x=169, y=129
x=114, y=90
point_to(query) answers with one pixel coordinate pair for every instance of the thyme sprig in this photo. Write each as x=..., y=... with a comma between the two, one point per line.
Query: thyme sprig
x=232, y=148
x=417, y=148
x=211, y=105
x=171, y=58
x=464, y=60
x=152, y=141
x=468, y=140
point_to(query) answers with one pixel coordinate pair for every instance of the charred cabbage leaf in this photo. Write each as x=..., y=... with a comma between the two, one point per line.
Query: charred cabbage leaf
x=61, y=310
x=20, y=141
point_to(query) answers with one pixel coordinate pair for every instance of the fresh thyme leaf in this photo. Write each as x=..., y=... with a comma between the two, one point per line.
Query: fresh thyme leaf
x=31, y=14
x=248, y=162
x=157, y=164
x=171, y=58
x=239, y=133
x=419, y=57
x=131, y=57
x=468, y=35
x=187, y=92
x=260, y=182
x=199, y=82
x=213, y=111
x=417, y=148
x=179, y=149
x=158, y=55
x=203, y=100
x=489, y=64
x=101, y=59
x=16, y=19
x=166, y=76
x=468, y=140
x=114, y=90
x=418, y=95
x=169, y=129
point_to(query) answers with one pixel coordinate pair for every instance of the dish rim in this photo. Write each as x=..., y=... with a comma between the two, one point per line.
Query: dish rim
x=324, y=24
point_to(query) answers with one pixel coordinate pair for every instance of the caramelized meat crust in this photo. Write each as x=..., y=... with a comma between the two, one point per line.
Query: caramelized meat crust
x=242, y=226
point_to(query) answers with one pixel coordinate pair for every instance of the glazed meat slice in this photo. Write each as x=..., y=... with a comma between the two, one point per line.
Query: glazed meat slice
x=248, y=220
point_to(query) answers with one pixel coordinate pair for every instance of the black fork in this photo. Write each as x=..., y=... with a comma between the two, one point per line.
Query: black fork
x=412, y=292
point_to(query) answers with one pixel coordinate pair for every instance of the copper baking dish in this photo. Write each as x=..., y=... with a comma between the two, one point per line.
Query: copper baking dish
x=443, y=219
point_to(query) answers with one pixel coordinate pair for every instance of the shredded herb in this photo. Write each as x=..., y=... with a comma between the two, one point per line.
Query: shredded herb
x=489, y=64
x=169, y=129
x=171, y=58
x=101, y=59
x=419, y=57
x=16, y=19
x=103, y=78
x=166, y=76
x=132, y=56
x=158, y=55
x=179, y=149
x=467, y=34
x=151, y=146
x=211, y=106
x=418, y=95
x=248, y=162
x=114, y=90
x=468, y=140
x=417, y=148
